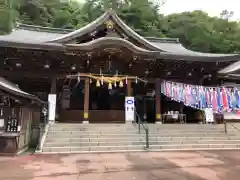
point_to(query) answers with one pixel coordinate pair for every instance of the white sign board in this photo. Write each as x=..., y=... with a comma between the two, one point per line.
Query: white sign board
x=1, y=122
x=129, y=109
x=52, y=98
x=209, y=115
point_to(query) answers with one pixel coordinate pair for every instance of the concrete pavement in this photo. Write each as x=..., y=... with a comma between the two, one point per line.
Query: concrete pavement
x=200, y=165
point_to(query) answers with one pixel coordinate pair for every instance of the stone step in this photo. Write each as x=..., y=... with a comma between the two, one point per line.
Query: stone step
x=91, y=125
x=160, y=133
x=143, y=142
x=157, y=138
x=107, y=143
x=194, y=146
x=128, y=124
x=151, y=126
x=133, y=127
x=79, y=134
x=136, y=138
x=72, y=149
x=94, y=127
x=195, y=142
x=90, y=131
x=107, y=129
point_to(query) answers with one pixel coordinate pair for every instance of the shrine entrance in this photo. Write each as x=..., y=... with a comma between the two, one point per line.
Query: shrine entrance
x=103, y=98
x=109, y=74
x=100, y=97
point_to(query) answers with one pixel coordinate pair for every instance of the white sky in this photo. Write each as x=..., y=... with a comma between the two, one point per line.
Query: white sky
x=212, y=7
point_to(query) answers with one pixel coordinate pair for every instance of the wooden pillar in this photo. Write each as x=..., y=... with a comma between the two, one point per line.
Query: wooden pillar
x=181, y=108
x=158, y=101
x=53, y=89
x=129, y=88
x=86, y=100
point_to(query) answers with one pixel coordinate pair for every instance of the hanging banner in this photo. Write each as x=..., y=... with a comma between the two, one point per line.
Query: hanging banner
x=221, y=99
x=129, y=109
x=209, y=117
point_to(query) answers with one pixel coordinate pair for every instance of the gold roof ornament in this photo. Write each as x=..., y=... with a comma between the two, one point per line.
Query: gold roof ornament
x=109, y=24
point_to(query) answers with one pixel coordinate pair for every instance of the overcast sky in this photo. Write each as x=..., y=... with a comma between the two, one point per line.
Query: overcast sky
x=212, y=7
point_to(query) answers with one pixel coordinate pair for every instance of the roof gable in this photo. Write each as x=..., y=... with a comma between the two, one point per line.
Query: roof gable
x=108, y=16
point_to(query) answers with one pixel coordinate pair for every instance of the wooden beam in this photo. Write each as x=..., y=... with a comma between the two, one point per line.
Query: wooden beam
x=31, y=74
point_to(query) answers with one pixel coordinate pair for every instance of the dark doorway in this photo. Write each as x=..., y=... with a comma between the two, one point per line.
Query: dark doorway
x=77, y=96
x=145, y=107
x=103, y=98
x=150, y=110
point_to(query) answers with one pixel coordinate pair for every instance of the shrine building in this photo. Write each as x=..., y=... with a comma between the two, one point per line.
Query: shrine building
x=93, y=68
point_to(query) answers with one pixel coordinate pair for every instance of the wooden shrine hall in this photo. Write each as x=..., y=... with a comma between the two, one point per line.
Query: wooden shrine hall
x=93, y=68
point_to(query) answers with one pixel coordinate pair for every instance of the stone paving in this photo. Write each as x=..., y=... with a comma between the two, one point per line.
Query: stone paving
x=198, y=165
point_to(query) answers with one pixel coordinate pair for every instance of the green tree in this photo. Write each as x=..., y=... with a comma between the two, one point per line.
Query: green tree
x=200, y=32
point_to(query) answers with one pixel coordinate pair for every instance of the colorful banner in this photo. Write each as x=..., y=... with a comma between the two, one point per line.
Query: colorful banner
x=220, y=99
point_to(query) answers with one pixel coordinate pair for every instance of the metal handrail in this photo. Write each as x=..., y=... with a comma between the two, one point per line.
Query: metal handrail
x=43, y=129
x=225, y=126
x=140, y=123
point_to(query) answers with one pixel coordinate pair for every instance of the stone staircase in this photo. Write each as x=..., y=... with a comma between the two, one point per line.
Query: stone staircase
x=79, y=138
x=93, y=138
x=192, y=136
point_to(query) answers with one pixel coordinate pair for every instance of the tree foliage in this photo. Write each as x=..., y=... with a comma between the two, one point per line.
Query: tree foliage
x=196, y=30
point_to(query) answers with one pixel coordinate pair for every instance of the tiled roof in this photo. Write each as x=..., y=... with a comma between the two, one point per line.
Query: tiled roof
x=13, y=89
x=170, y=48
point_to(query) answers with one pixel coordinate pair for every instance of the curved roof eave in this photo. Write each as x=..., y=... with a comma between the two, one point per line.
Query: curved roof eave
x=112, y=41
x=187, y=57
x=231, y=68
x=29, y=35
x=174, y=47
x=14, y=90
x=88, y=28
x=231, y=76
x=32, y=45
x=133, y=34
